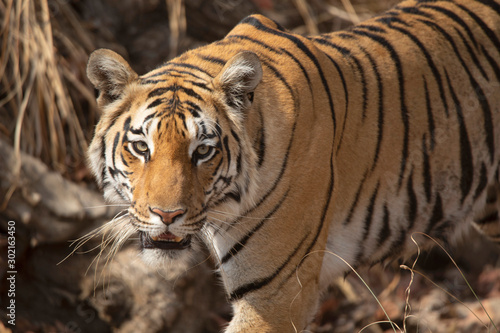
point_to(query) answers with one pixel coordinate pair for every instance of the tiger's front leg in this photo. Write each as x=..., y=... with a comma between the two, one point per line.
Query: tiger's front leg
x=279, y=307
x=251, y=315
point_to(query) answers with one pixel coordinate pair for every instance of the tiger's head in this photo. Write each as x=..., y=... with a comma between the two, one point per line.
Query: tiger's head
x=172, y=145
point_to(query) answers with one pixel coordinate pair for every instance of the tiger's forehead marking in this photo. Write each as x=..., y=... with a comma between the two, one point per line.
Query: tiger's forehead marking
x=173, y=103
x=180, y=70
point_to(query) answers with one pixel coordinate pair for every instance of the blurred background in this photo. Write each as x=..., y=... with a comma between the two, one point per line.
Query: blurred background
x=47, y=117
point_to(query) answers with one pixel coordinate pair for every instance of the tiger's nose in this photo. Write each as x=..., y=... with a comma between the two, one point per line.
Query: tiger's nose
x=168, y=217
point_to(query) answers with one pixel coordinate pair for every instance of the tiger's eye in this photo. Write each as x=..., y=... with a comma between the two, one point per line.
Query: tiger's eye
x=203, y=150
x=140, y=147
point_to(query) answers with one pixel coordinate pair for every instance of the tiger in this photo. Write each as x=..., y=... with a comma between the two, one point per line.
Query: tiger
x=291, y=158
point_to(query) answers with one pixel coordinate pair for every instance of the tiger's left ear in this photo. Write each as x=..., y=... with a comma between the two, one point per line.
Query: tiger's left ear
x=238, y=79
x=110, y=74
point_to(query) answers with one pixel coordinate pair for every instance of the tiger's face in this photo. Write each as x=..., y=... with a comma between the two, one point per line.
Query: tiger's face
x=171, y=145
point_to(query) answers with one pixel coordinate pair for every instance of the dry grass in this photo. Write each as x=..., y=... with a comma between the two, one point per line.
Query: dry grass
x=41, y=91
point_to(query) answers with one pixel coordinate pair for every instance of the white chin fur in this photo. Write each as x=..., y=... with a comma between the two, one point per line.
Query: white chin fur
x=174, y=262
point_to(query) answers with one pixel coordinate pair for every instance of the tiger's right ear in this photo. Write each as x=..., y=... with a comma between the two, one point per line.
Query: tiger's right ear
x=238, y=79
x=110, y=74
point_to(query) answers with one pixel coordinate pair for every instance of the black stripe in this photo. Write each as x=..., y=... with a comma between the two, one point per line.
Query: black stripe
x=372, y=28
x=325, y=208
x=255, y=41
x=483, y=181
x=189, y=73
x=238, y=162
x=465, y=148
x=455, y=18
x=492, y=4
x=218, y=129
x=191, y=93
x=430, y=62
x=184, y=65
x=492, y=63
x=240, y=244
x=259, y=283
x=472, y=54
x=226, y=146
x=304, y=72
x=491, y=196
x=491, y=35
x=193, y=112
x=235, y=136
x=278, y=178
x=262, y=142
x=158, y=127
x=490, y=218
x=158, y=92
x=401, y=83
x=482, y=24
x=123, y=160
x=396, y=245
x=238, y=159
x=168, y=73
x=126, y=124
x=430, y=115
x=148, y=117
x=117, y=113
x=369, y=213
x=389, y=19
x=294, y=39
x=212, y=59
x=355, y=202
x=276, y=181
x=437, y=214
x=488, y=121
x=103, y=164
x=149, y=76
x=194, y=109
x=199, y=84
x=234, y=195
x=182, y=117
x=174, y=88
x=348, y=53
x=136, y=131
x=278, y=75
x=346, y=97
x=412, y=204
x=366, y=225
x=426, y=170
x=385, y=232
x=416, y=11
x=114, y=172
x=380, y=120
x=217, y=168
x=115, y=145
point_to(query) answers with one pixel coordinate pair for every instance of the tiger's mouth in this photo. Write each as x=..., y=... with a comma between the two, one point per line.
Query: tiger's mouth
x=165, y=241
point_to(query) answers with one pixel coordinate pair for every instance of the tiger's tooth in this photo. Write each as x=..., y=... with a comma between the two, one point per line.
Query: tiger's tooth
x=178, y=239
x=154, y=238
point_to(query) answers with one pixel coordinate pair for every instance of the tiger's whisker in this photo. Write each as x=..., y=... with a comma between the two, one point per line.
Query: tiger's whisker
x=240, y=216
x=109, y=205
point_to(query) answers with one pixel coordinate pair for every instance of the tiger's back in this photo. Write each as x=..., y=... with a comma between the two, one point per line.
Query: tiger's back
x=273, y=148
x=434, y=99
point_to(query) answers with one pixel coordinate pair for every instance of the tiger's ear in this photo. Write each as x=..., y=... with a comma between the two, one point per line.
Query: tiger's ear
x=110, y=74
x=238, y=79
